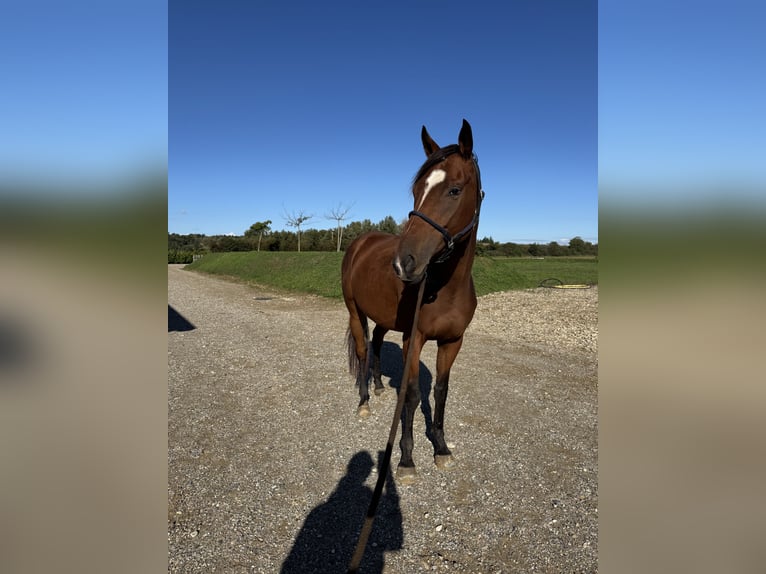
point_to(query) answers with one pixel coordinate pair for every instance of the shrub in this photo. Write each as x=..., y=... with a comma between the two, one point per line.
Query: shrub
x=179, y=256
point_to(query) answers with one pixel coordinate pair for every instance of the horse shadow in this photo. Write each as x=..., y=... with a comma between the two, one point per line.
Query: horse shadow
x=328, y=537
x=19, y=348
x=177, y=322
x=392, y=366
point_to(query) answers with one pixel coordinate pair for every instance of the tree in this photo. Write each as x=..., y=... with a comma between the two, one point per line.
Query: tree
x=357, y=228
x=296, y=220
x=388, y=225
x=576, y=246
x=554, y=249
x=339, y=214
x=259, y=228
x=535, y=250
x=513, y=249
x=192, y=242
x=226, y=243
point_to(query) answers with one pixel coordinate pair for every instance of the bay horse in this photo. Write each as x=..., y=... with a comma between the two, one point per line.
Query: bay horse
x=381, y=274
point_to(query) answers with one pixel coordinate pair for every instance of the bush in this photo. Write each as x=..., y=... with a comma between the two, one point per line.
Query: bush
x=179, y=256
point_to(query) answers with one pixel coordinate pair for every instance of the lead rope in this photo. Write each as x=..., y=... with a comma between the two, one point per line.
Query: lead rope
x=361, y=544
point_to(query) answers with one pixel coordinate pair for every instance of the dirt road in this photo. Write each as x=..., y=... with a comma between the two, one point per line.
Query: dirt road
x=269, y=469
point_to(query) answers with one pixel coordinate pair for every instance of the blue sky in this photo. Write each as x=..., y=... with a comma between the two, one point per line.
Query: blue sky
x=682, y=103
x=84, y=91
x=264, y=107
x=278, y=107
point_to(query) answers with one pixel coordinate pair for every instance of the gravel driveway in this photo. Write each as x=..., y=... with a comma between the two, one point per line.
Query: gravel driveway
x=270, y=470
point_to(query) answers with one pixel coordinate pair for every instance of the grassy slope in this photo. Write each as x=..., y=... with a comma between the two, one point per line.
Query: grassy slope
x=319, y=272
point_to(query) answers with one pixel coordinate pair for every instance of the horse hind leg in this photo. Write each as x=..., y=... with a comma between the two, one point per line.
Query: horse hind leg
x=378, y=333
x=358, y=342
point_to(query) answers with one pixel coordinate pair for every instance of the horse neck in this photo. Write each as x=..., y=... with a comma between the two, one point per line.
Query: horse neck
x=465, y=263
x=457, y=269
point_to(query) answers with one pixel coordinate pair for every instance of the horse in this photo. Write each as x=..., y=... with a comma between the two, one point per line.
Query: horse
x=381, y=275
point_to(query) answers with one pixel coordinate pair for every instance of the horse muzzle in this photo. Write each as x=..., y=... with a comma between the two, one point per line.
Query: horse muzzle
x=407, y=269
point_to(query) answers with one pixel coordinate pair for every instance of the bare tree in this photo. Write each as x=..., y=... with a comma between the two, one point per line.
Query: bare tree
x=296, y=220
x=339, y=214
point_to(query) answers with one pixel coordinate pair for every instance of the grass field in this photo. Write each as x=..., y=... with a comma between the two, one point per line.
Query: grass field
x=319, y=272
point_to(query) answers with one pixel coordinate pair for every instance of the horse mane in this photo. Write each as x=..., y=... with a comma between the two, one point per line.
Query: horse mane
x=438, y=156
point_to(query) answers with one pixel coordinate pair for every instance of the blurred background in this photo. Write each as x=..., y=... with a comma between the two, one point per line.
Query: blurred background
x=682, y=206
x=83, y=224
x=83, y=195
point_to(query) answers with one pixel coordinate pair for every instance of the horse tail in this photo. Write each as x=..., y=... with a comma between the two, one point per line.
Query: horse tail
x=355, y=367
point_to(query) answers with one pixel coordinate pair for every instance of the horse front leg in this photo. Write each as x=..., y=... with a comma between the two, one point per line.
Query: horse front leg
x=445, y=357
x=406, y=470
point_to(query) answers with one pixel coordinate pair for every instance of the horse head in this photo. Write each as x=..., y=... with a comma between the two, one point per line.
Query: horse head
x=447, y=193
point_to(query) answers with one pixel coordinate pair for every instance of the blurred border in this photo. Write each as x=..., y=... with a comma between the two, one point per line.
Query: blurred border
x=682, y=458
x=83, y=361
x=83, y=283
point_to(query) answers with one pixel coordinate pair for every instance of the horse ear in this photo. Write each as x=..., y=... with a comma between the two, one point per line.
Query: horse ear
x=465, y=140
x=429, y=145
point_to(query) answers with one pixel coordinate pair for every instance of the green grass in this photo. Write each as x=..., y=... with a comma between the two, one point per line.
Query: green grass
x=492, y=274
x=319, y=272
x=308, y=272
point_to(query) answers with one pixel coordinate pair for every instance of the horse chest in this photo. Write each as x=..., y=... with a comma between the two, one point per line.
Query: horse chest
x=447, y=320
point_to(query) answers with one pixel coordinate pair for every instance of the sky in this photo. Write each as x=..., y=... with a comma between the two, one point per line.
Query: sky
x=264, y=107
x=682, y=103
x=84, y=92
x=277, y=108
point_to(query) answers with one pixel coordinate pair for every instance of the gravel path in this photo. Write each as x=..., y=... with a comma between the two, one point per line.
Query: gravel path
x=269, y=469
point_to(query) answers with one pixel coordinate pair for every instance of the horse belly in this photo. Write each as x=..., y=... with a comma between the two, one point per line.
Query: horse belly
x=380, y=304
x=371, y=284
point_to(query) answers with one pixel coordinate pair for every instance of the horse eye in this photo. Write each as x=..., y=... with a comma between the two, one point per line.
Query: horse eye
x=454, y=191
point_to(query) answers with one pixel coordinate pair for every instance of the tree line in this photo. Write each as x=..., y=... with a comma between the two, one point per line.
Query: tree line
x=576, y=247
x=260, y=237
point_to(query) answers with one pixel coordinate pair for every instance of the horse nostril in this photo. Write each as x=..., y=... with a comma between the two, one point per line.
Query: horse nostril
x=409, y=265
x=404, y=267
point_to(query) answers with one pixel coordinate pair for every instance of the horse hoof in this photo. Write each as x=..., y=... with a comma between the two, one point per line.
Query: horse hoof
x=379, y=391
x=406, y=475
x=363, y=411
x=444, y=461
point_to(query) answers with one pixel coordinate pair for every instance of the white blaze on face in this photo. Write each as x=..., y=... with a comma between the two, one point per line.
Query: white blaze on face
x=435, y=177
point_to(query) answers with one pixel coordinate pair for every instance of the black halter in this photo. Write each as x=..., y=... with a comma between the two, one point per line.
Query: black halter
x=451, y=240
